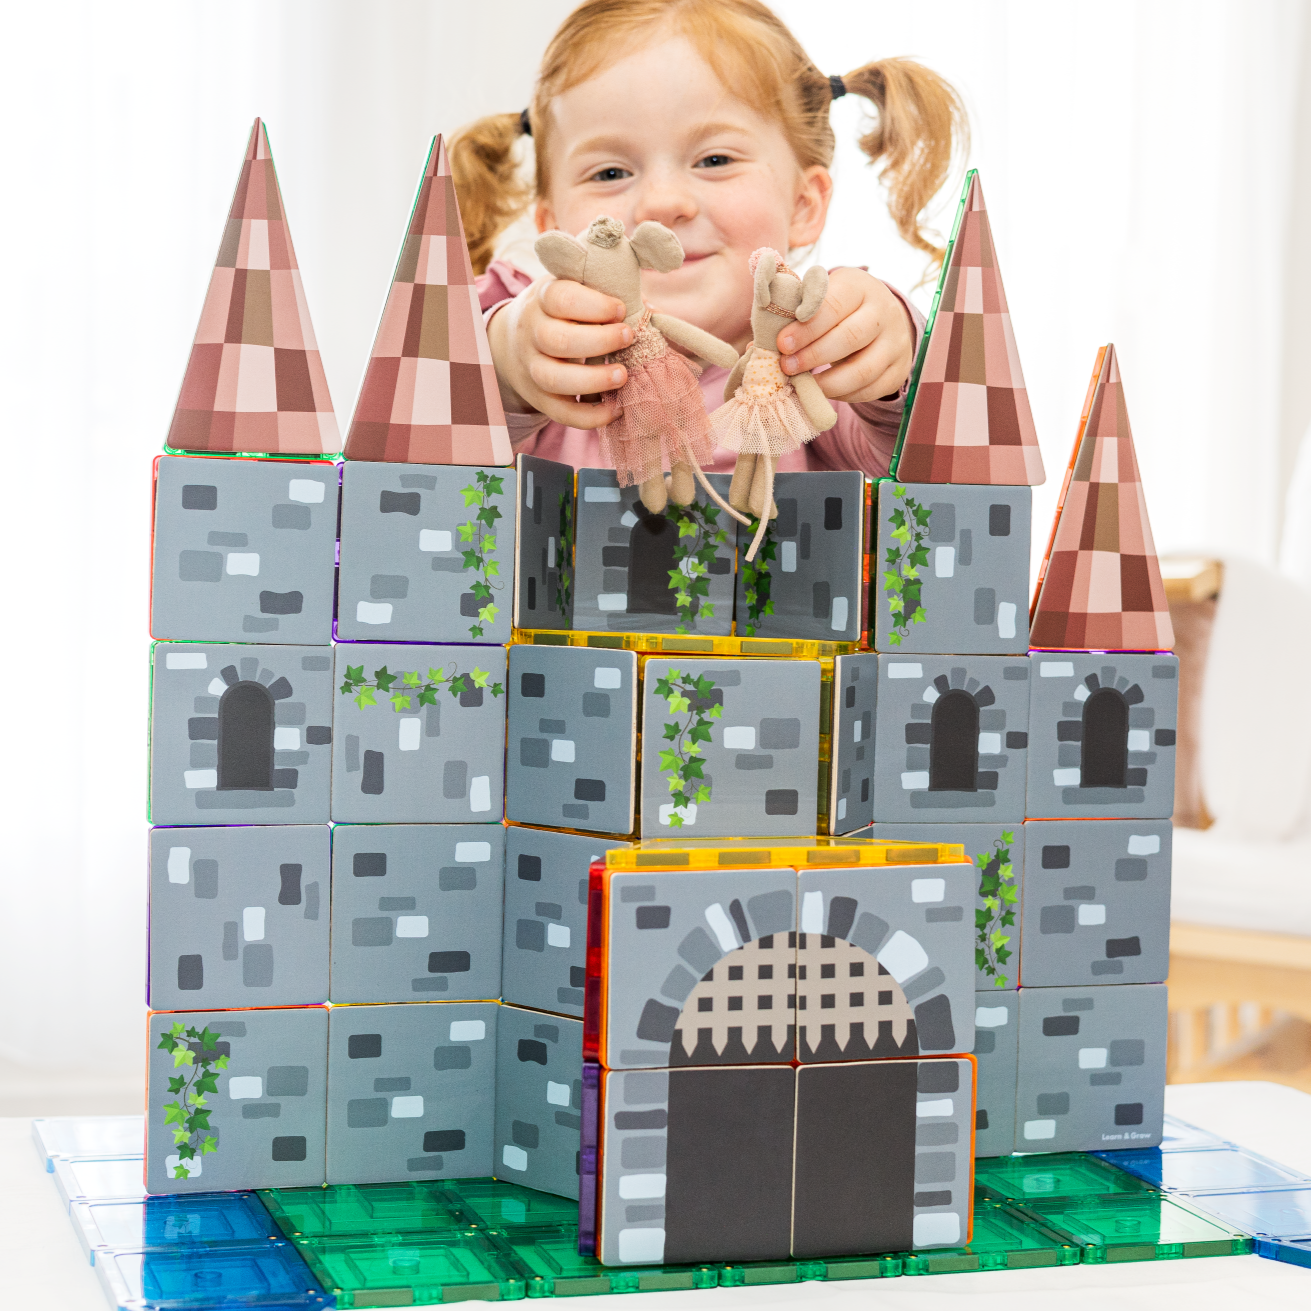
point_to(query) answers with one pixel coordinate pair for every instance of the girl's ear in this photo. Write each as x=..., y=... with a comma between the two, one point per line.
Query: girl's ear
x=561, y=255
x=810, y=207
x=656, y=247
x=814, y=287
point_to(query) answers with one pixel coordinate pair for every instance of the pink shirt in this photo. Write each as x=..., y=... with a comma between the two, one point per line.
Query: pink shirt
x=862, y=438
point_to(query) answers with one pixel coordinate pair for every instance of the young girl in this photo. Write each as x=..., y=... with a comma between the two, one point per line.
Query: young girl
x=706, y=116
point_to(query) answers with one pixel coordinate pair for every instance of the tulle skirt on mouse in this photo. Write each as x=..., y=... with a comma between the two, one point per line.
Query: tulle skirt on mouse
x=764, y=416
x=664, y=419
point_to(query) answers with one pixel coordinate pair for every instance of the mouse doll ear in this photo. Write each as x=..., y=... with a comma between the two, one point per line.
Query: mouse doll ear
x=814, y=287
x=763, y=265
x=656, y=247
x=561, y=254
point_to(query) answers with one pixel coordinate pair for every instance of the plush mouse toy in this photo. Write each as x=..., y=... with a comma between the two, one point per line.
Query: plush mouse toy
x=664, y=420
x=766, y=413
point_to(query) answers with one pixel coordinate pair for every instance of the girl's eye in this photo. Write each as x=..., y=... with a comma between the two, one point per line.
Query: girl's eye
x=713, y=161
x=612, y=174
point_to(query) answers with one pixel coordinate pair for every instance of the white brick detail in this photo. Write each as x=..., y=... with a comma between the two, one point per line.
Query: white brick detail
x=179, y=864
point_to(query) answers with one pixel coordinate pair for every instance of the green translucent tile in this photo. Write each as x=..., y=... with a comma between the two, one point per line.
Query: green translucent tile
x=415, y=1268
x=1146, y=1227
x=763, y=1272
x=747, y=1273
x=853, y=1267
x=1062, y=1174
x=500, y=1204
x=550, y=1257
x=342, y=1210
x=1003, y=1239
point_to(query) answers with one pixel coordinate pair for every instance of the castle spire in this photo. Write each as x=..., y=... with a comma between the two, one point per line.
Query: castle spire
x=430, y=394
x=255, y=380
x=968, y=418
x=1100, y=588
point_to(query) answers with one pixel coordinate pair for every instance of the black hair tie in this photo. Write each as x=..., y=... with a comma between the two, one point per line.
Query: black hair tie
x=837, y=87
x=525, y=124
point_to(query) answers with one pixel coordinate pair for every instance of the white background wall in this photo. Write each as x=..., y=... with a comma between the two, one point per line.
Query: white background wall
x=1143, y=163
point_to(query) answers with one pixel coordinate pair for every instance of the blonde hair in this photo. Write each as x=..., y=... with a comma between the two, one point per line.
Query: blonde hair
x=920, y=122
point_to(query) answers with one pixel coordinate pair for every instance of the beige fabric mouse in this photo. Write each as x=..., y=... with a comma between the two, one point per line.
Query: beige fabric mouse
x=664, y=420
x=766, y=413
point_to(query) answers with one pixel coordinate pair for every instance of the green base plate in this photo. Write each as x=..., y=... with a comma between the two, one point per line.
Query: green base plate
x=377, y=1245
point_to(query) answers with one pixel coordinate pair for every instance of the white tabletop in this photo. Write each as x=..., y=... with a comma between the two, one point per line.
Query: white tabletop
x=42, y=1267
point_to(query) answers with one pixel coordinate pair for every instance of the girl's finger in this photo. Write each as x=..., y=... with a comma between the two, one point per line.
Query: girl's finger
x=841, y=302
x=579, y=341
x=563, y=299
x=577, y=414
x=845, y=338
x=562, y=378
x=868, y=375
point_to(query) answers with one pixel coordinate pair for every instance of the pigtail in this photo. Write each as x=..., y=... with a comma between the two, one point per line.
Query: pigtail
x=492, y=191
x=921, y=125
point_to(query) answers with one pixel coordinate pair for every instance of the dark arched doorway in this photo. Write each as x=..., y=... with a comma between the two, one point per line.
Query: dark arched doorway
x=954, y=743
x=1104, y=759
x=650, y=558
x=245, y=739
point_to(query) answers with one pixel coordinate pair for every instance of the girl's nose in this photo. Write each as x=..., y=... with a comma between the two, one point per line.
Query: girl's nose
x=664, y=197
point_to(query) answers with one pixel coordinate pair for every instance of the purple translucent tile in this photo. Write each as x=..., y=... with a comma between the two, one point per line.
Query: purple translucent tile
x=591, y=1137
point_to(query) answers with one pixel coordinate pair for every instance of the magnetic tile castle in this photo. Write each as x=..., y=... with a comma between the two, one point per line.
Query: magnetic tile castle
x=505, y=829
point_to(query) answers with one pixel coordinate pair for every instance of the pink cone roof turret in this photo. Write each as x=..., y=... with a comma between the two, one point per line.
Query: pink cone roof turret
x=1101, y=588
x=430, y=394
x=255, y=380
x=970, y=420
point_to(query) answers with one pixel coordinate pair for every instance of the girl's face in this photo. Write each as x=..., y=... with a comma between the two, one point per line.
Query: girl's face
x=656, y=136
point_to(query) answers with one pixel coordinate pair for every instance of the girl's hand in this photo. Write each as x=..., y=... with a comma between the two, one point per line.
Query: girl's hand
x=862, y=330
x=537, y=341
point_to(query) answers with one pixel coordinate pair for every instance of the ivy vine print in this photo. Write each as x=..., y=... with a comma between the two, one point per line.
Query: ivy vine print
x=757, y=581
x=408, y=689
x=564, y=588
x=195, y=1053
x=681, y=762
x=901, y=573
x=479, y=534
x=999, y=895
x=699, y=539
